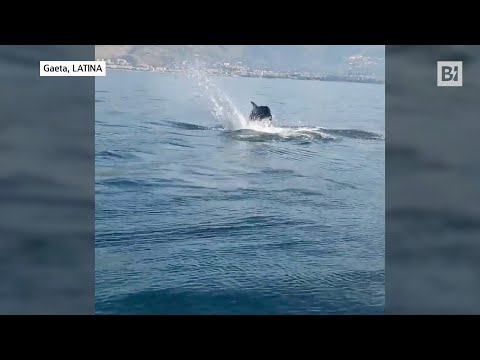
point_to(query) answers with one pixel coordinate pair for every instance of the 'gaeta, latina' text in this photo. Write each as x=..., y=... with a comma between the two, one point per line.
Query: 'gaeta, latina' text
x=75, y=68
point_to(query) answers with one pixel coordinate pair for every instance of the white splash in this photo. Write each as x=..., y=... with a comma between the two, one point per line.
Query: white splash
x=223, y=108
x=225, y=111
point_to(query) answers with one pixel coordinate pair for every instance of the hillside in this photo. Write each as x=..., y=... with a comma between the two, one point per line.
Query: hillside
x=320, y=58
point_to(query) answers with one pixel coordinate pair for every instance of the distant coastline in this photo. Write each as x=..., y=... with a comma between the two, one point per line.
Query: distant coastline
x=268, y=74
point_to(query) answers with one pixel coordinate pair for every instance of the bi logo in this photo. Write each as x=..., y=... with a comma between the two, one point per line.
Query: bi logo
x=449, y=73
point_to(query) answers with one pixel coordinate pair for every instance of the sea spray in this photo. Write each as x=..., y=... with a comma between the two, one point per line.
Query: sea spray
x=223, y=108
x=229, y=116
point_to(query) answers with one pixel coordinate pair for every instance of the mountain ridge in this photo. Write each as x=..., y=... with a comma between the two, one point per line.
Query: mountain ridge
x=313, y=58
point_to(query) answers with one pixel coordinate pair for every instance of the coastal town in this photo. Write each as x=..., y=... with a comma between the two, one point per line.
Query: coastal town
x=356, y=70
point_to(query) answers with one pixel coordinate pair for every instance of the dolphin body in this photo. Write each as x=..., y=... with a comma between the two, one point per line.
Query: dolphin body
x=260, y=112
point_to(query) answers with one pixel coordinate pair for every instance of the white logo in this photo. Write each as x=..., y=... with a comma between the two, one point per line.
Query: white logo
x=449, y=73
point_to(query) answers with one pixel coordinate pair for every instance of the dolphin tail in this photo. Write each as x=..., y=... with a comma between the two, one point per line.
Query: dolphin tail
x=254, y=105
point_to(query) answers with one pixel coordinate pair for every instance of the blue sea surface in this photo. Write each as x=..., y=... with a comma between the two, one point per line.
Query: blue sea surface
x=199, y=212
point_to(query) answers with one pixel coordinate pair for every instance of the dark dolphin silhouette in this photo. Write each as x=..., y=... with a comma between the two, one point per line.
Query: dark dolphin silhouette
x=260, y=112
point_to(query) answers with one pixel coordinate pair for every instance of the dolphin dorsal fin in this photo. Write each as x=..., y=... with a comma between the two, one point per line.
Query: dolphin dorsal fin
x=254, y=105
